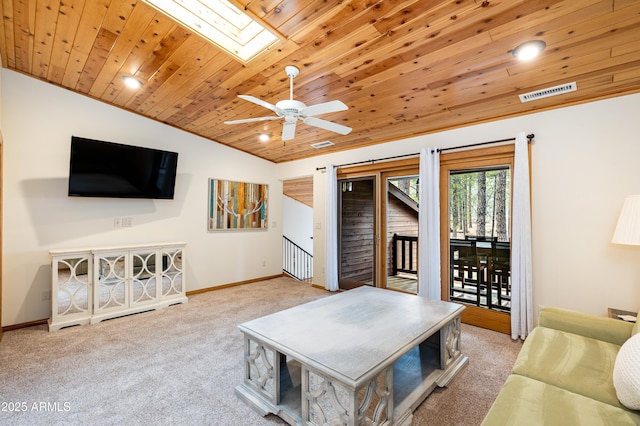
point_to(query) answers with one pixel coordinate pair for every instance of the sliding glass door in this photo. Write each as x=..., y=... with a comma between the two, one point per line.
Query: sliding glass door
x=479, y=237
x=475, y=198
x=378, y=226
x=400, y=206
x=378, y=230
x=357, y=232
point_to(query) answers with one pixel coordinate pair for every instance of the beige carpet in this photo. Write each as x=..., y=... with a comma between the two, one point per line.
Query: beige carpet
x=180, y=365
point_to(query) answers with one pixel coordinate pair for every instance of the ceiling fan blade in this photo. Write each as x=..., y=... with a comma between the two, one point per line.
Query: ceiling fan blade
x=324, y=108
x=262, y=103
x=327, y=125
x=288, y=131
x=251, y=120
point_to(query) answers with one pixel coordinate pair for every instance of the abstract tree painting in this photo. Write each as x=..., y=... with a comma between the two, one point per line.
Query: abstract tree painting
x=237, y=205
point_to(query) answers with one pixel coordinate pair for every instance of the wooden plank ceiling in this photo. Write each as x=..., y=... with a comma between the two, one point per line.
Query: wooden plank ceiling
x=300, y=189
x=404, y=68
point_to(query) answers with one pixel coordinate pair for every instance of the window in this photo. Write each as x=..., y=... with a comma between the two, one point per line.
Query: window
x=221, y=23
x=480, y=203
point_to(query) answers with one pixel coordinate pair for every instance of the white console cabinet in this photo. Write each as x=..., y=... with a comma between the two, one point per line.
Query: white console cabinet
x=88, y=286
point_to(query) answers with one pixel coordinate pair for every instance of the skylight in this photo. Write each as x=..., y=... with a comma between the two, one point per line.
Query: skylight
x=221, y=23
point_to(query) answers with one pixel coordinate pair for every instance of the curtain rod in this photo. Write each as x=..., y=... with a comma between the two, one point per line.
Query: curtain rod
x=530, y=136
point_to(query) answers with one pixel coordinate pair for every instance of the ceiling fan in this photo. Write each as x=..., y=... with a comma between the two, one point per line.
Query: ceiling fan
x=292, y=111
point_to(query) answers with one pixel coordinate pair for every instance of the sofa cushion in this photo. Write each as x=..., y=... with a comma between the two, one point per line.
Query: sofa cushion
x=636, y=326
x=576, y=363
x=524, y=401
x=626, y=373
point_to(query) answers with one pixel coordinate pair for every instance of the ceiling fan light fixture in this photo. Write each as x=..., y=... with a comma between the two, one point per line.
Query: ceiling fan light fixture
x=529, y=49
x=131, y=82
x=292, y=111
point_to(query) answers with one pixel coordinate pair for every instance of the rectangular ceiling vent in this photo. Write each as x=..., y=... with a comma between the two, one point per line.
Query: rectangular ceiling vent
x=550, y=91
x=322, y=144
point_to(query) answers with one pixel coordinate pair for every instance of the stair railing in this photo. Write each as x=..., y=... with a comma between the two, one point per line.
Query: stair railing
x=296, y=261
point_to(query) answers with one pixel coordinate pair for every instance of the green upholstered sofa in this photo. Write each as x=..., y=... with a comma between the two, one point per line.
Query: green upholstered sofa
x=563, y=374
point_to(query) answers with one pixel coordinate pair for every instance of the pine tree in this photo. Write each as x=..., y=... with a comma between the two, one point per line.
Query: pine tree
x=481, y=219
x=501, y=205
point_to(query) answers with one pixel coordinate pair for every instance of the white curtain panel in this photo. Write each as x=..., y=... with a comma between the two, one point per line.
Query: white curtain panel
x=429, y=225
x=331, y=231
x=521, y=278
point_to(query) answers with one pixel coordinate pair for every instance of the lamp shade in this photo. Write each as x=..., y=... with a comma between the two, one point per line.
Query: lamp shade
x=628, y=227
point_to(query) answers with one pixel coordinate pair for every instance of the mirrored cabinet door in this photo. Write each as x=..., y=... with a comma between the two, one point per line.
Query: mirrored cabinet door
x=144, y=283
x=172, y=275
x=110, y=282
x=71, y=289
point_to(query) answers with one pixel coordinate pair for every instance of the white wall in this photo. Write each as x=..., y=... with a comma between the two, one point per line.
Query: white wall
x=584, y=163
x=38, y=121
x=297, y=223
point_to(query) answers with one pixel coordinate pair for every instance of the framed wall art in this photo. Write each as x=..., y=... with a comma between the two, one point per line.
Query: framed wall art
x=237, y=205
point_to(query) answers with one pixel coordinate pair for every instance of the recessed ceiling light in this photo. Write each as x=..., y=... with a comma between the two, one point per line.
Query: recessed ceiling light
x=263, y=137
x=222, y=23
x=529, y=50
x=132, y=82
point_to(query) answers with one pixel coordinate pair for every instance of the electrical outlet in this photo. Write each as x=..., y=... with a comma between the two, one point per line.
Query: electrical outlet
x=117, y=222
x=127, y=222
x=46, y=295
x=264, y=263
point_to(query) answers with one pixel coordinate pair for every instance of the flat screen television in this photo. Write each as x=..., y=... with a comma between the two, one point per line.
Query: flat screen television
x=106, y=169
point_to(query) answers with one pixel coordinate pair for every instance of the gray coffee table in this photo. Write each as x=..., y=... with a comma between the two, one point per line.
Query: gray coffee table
x=365, y=355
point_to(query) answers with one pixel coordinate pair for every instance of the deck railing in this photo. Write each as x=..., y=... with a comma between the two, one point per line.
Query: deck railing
x=405, y=254
x=296, y=261
x=480, y=272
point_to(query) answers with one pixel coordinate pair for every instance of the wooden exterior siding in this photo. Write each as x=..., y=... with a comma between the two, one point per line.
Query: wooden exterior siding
x=357, y=233
x=357, y=230
x=403, y=220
